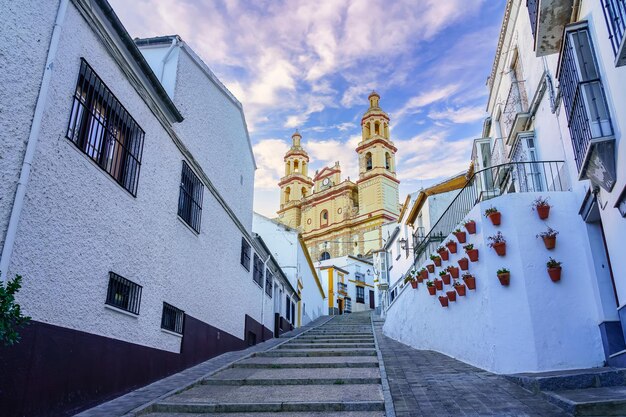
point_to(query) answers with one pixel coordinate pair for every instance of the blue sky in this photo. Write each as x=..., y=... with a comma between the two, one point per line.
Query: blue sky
x=311, y=64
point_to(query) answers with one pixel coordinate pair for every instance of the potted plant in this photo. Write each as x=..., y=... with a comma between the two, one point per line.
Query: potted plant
x=459, y=288
x=463, y=263
x=470, y=281
x=431, y=268
x=451, y=245
x=554, y=270
x=443, y=300
x=542, y=207
x=460, y=235
x=472, y=253
x=494, y=215
x=431, y=287
x=412, y=280
x=438, y=284
x=451, y=295
x=423, y=274
x=436, y=259
x=445, y=277
x=504, y=275
x=454, y=271
x=498, y=243
x=549, y=238
x=470, y=226
x=443, y=252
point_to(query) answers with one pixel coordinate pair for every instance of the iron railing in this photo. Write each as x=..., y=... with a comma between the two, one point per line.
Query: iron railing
x=342, y=287
x=172, y=318
x=615, y=16
x=533, y=13
x=257, y=270
x=269, y=282
x=123, y=293
x=190, y=198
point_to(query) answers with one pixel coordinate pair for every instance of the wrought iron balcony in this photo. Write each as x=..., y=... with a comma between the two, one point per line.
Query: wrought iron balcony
x=342, y=287
x=499, y=152
x=547, y=21
x=615, y=16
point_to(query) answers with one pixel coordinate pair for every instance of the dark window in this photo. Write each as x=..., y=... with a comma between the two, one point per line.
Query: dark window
x=245, y=254
x=360, y=295
x=251, y=338
x=172, y=318
x=324, y=218
x=293, y=313
x=257, y=273
x=287, y=307
x=102, y=128
x=190, y=198
x=368, y=161
x=325, y=256
x=123, y=294
x=269, y=282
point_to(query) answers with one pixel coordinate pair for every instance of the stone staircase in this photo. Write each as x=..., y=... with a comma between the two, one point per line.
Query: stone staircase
x=331, y=370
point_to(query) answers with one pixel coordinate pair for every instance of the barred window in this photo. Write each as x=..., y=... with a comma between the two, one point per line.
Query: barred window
x=245, y=254
x=123, y=293
x=172, y=318
x=257, y=273
x=287, y=308
x=102, y=129
x=190, y=198
x=360, y=295
x=293, y=313
x=269, y=282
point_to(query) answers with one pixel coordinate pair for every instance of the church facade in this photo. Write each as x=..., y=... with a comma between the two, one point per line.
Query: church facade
x=339, y=217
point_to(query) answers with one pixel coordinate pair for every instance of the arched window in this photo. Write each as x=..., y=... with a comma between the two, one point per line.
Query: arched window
x=296, y=166
x=303, y=191
x=324, y=218
x=387, y=160
x=368, y=161
x=324, y=256
x=287, y=193
x=377, y=128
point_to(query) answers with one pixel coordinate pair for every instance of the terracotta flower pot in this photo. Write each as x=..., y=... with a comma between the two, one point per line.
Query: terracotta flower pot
x=471, y=227
x=424, y=274
x=444, y=255
x=460, y=289
x=470, y=282
x=443, y=300
x=432, y=290
x=431, y=268
x=505, y=278
x=472, y=254
x=550, y=242
x=437, y=261
x=500, y=248
x=543, y=212
x=446, y=279
x=555, y=274
x=463, y=263
x=414, y=284
x=495, y=218
x=454, y=271
x=420, y=279
x=451, y=247
x=461, y=236
x=451, y=295
x=439, y=284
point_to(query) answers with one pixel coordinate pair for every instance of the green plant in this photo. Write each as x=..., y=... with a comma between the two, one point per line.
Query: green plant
x=468, y=247
x=503, y=271
x=440, y=249
x=468, y=221
x=429, y=283
x=540, y=202
x=497, y=238
x=553, y=263
x=548, y=233
x=409, y=278
x=490, y=210
x=457, y=231
x=443, y=272
x=433, y=257
x=457, y=283
x=11, y=317
x=468, y=275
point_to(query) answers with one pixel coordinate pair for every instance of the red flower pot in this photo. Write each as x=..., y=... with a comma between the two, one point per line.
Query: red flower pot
x=550, y=242
x=543, y=212
x=424, y=274
x=495, y=218
x=451, y=295
x=431, y=268
x=555, y=274
x=500, y=248
x=443, y=300
x=439, y=284
x=472, y=254
x=451, y=247
x=470, y=282
x=463, y=263
x=461, y=236
x=471, y=227
x=446, y=279
x=460, y=289
x=432, y=290
x=454, y=271
x=414, y=284
x=420, y=279
x=437, y=261
x=505, y=279
x=444, y=255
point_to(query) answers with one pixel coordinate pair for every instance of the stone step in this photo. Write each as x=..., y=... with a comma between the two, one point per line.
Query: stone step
x=604, y=401
x=570, y=379
x=294, y=345
x=316, y=352
x=309, y=362
x=336, y=339
x=331, y=340
x=341, y=334
x=277, y=376
x=273, y=414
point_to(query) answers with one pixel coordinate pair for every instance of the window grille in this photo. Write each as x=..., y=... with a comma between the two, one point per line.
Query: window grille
x=190, y=198
x=257, y=273
x=293, y=313
x=172, y=318
x=533, y=13
x=287, y=307
x=615, y=17
x=123, y=294
x=360, y=295
x=245, y=254
x=269, y=282
x=103, y=130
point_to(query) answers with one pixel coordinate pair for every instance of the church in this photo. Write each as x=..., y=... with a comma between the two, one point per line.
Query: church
x=339, y=217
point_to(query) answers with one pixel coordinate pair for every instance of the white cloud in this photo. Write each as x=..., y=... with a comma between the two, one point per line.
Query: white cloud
x=467, y=114
x=425, y=98
x=269, y=154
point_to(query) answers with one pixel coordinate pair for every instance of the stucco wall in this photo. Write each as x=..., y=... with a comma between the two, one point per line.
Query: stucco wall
x=532, y=325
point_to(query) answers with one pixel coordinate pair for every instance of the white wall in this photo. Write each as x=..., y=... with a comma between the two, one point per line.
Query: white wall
x=532, y=325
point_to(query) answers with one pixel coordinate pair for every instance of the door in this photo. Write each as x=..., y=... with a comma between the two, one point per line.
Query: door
x=372, y=299
x=340, y=302
x=529, y=172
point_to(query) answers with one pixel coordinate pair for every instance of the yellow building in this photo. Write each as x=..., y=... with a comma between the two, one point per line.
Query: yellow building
x=341, y=217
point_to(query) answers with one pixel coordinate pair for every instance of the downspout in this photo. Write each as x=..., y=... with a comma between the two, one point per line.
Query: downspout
x=167, y=57
x=31, y=145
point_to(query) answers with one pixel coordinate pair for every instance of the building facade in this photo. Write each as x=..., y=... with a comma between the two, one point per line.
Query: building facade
x=350, y=283
x=340, y=217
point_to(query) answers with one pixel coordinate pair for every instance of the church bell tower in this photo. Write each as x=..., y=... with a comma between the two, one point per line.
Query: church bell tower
x=295, y=185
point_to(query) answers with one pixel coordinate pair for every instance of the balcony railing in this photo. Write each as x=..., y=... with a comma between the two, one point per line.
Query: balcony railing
x=341, y=287
x=533, y=13
x=488, y=183
x=615, y=16
x=498, y=152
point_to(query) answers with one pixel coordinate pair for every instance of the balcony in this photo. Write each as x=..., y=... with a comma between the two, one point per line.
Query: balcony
x=615, y=17
x=547, y=20
x=342, y=288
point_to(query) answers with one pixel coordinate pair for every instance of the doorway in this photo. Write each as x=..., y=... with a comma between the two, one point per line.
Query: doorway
x=372, y=300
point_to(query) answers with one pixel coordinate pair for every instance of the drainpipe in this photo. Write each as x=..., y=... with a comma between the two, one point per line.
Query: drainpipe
x=167, y=57
x=31, y=145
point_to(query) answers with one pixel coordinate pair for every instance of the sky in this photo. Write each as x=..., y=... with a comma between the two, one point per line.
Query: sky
x=310, y=65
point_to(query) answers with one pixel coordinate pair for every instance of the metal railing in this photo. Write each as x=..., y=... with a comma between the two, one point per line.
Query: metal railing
x=123, y=293
x=342, y=287
x=172, y=318
x=533, y=13
x=615, y=16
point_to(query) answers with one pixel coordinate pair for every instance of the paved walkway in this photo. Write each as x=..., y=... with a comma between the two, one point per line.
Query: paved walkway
x=427, y=383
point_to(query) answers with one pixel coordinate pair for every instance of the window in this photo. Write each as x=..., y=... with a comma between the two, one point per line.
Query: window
x=172, y=318
x=245, y=254
x=615, y=16
x=325, y=256
x=324, y=218
x=257, y=273
x=123, y=294
x=287, y=307
x=102, y=129
x=269, y=282
x=368, y=161
x=190, y=198
x=360, y=295
x=293, y=313
x=387, y=160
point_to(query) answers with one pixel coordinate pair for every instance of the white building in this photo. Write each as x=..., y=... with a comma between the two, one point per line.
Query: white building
x=349, y=282
x=132, y=216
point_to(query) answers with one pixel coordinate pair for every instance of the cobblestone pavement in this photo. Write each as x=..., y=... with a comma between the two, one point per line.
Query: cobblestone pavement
x=427, y=383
